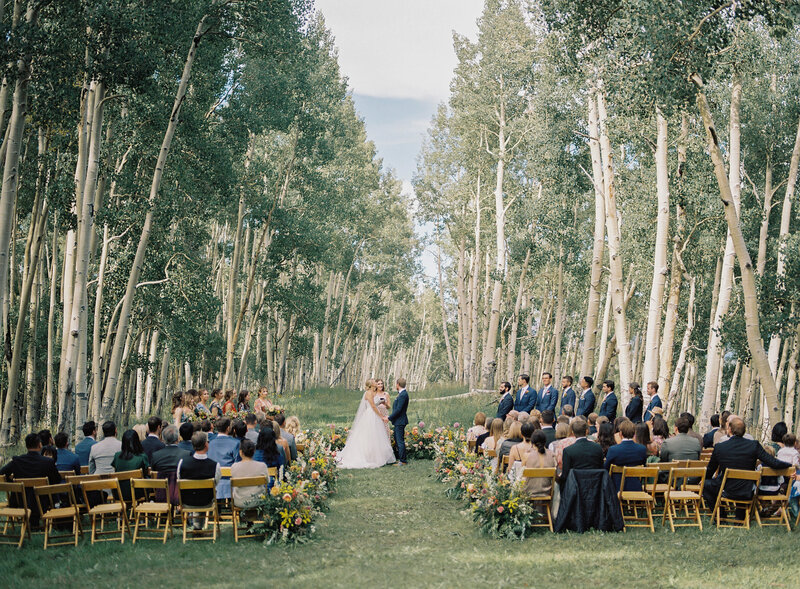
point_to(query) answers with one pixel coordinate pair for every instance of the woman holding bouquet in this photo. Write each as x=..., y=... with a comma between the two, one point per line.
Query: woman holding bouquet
x=229, y=405
x=262, y=404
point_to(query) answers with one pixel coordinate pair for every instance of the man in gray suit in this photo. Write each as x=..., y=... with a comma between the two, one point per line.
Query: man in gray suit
x=102, y=453
x=681, y=446
x=166, y=460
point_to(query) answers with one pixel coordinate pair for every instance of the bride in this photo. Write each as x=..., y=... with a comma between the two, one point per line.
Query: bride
x=368, y=443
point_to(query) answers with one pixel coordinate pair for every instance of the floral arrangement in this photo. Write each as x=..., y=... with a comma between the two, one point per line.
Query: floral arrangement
x=286, y=514
x=501, y=510
x=274, y=410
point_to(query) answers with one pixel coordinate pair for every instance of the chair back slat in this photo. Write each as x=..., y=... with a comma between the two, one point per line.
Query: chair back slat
x=255, y=481
x=742, y=475
x=225, y=471
x=538, y=473
x=190, y=484
x=32, y=482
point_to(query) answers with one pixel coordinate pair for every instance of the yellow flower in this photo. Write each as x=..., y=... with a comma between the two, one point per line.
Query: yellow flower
x=275, y=491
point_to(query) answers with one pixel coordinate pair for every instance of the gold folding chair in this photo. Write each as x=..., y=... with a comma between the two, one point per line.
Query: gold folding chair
x=632, y=501
x=145, y=507
x=85, y=469
x=735, y=504
x=66, y=473
x=75, y=480
x=763, y=501
x=11, y=516
x=301, y=447
x=546, y=501
x=114, y=510
x=660, y=489
x=238, y=527
x=224, y=509
x=471, y=446
x=681, y=495
x=502, y=466
x=124, y=478
x=705, y=454
x=57, y=512
x=208, y=511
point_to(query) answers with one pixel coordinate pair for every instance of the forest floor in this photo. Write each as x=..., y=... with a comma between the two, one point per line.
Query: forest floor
x=394, y=527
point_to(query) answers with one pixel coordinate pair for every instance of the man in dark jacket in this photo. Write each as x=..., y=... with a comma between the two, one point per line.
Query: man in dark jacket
x=152, y=442
x=738, y=453
x=582, y=454
x=32, y=465
x=708, y=438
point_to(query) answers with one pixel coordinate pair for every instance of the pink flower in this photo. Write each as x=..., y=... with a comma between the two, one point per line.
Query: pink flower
x=421, y=424
x=500, y=509
x=456, y=425
x=297, y=521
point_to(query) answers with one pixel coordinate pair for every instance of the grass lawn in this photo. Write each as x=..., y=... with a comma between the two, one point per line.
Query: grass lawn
x=394, y=527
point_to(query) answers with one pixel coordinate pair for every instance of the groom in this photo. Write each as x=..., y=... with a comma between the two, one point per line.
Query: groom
x=399, y=419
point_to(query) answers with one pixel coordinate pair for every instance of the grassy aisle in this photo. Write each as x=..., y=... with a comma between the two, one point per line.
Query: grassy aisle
x=394, y=527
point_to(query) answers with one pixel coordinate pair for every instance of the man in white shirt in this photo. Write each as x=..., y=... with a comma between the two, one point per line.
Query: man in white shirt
x=102, y=453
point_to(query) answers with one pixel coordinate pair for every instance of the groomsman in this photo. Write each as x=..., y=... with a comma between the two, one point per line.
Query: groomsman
x=568, y=396
x=548, y=396
x=655, y=400
x=609, y=405
x=586, y=401
x=526, y=396
x=506, y=401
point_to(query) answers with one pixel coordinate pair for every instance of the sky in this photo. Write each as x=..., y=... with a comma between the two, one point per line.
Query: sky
x=398, y=58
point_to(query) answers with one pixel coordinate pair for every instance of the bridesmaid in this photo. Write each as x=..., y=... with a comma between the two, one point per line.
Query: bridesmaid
x=262, y=404
x=634, y=409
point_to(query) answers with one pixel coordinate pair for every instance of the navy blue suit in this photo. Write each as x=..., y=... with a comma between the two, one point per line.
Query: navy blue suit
x=399, y=420
x=634, y=409
x=548, y=398
x=655, y=401
x=708, y=438
x=568, y=398
x=505, y=406
x=528, y=402
x=82, y=449
x=609, y=406
x=626, y=453
x=224, y=450
x=586, y=404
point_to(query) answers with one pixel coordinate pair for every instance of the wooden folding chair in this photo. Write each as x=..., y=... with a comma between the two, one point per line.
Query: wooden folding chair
x=471, y=446
x=207, y=511
x=301, y=447
x=632, y=501
x=145, y=507
x=224, y=510
x=85, y=469
x=66, y=473
x=681, y=495
x=764, y=501
x=54, y=511
x=660, y=489
x=124, y=479
x=705, y=454
x=11, y=516
x=238, y=528
x=546, y=501
x=502, y=466
x=735, y=504
x=75, y=480
x=115, y=510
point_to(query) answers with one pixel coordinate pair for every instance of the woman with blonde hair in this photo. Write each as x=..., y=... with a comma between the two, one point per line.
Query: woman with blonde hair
x=141, y=431
x=513, y=438
x=368, y=444
x=292, y=425
x=182, y=408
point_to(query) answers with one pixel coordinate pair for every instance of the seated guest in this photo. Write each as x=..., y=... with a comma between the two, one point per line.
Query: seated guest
x=523, y=416
x=582, y=454
x=605, y=436
x=739, y=453
x=565, y=419
x=66, y=460
x=103, y=452
x=660, y=430
x=636, y=405
x=32, y=465
x=617, y=422
x=514, y=437
x=642, y=436
x=245, y=497
x=131, y=457
x=495, y=435
x=166, y=460
x=562, y=431
x=518, y=453
x=186, y=430
x=681, y=446
x=141, y=431
x=788, y=453
x=539, y=457
x=207, y=427
x=287, y=451
x=280, y=419
x=564, y=439
x=239, y=429
x=152, y=442
x=708, y=437
x=196, y=467
x=593, y=425
x=252, y=434
x=691, y=431
x=268, y=451
x=478, y=427
x=568, y=410
x=721, y=434
x=50, y=452
x=46, y=438
x=482, y=437
x=293, y=426
x=224, y=450
x=548, y=418
x=89, y=439
x=626, y=453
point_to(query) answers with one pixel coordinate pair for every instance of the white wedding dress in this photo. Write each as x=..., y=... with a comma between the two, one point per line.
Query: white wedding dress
x=368, y=443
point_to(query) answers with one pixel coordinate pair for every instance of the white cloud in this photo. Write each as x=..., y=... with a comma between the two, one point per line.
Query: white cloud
x=399, y=48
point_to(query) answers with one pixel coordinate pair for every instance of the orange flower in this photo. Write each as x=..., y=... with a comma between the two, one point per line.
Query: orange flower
x=287, y=497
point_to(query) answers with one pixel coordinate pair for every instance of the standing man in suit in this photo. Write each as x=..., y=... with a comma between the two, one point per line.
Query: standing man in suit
x=506, y=401
x=626, y=453
x=89, y=439
x=568, y=394
x=526, y=396
x=609, y=405
x=153, y=442
x=582, y=454
x=586, y=401
x=102, y=453
x=739, y=453
x=224, y=450
x=655, y=400
x=548, y=395
x=708, y=437
x=399, y=419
